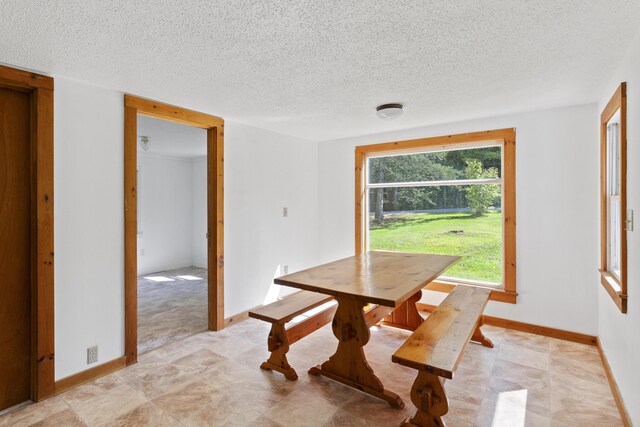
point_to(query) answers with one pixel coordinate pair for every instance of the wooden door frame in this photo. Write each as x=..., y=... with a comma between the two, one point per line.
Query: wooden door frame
x=40, y=89
x=215, y=209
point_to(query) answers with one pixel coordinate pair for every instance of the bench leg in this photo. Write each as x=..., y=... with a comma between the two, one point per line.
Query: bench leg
x=479, y=337
x=429, y=397
x=278, y=344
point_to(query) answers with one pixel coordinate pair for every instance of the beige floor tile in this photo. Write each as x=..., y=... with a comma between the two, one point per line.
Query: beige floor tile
x=92, y=389
x=107, y=405
x=479, y=358
x=223, y=412
x=508, y=411
x=468, y=384
x=574, y=411
x=199, y=404
x=569, y=348
x=176, y=350
x=579, y=368
x=376, y=411
x=187, y=398
x=191, y=382
x=229, y=376
x=523, y=339
x=342, y=418
x=34, y=413
x=66, y=418
x=239, y=406
x=537, y=399
x=264, y=421
x=198, y=361
x=154, y=379
x=453, y=421
x=331, y=391
x=463, y=409
x=252, y=357
x=526, y=356
x=526, y=377
x=302, y=408
x=147, y=415
x=588, y=388
x=392, y=338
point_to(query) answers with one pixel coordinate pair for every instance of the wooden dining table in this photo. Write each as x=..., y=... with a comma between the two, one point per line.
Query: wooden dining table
x=374, y=287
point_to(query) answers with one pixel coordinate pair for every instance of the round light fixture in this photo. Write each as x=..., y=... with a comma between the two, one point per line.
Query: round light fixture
x=389, y=111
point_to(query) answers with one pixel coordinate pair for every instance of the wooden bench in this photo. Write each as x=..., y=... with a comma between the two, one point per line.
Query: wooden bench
x=285, y=310
x=280, y=338
x=436, y=348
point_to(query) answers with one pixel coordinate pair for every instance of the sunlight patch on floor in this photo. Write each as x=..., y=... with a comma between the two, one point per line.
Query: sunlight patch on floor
x=188, y=277
x=511, y=409
x=159, y=278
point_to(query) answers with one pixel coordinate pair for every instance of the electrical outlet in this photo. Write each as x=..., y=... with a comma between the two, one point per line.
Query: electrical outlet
x=285, y=212
x=285, y=269
x=92, y=354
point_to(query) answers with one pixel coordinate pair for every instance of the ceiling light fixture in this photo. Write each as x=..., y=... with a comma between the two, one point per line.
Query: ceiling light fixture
x=389, y=111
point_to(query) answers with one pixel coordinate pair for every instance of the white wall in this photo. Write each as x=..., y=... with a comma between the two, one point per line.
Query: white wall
x=89, y=221
x=557, y=228
x=199, y=212
x=620, y=333
x=166, y=197
x=264, y=171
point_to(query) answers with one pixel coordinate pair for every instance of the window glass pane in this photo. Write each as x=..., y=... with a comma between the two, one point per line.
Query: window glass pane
x=614, y=236
x=435, y=166
x=613, y=159
x=463, y=220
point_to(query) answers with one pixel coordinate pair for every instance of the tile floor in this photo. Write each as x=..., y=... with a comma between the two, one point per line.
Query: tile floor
x=213, y=379
x=172, y=305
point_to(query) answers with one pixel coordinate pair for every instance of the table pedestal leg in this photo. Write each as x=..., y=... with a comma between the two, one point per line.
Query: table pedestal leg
x=406, y=316
x=348, y=365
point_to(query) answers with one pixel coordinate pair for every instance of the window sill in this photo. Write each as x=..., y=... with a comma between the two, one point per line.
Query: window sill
x=496, y=294
x=612, y=286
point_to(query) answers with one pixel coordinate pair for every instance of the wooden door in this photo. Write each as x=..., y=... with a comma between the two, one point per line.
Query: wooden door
x=15, y=247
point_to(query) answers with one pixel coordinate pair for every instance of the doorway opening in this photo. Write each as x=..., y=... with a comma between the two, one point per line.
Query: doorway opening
x=172, y=232
x=173, y=224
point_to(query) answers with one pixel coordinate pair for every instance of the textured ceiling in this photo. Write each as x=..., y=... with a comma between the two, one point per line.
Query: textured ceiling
x=172, y=139
x=317, y=69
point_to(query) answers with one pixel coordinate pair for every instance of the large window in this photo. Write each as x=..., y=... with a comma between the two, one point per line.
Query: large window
x=451, y=195
x=613, y=264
